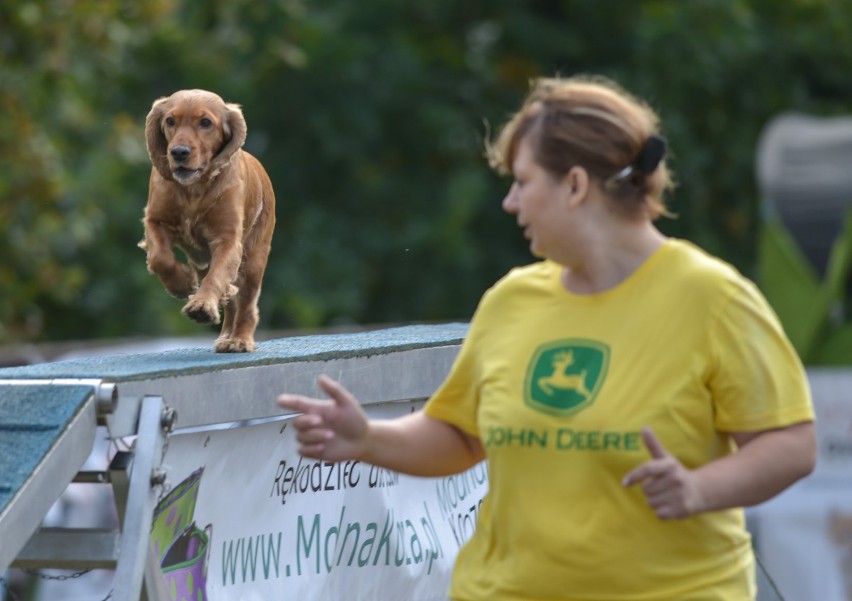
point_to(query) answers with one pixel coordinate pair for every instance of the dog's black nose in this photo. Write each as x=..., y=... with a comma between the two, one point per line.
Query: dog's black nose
x=180, y=153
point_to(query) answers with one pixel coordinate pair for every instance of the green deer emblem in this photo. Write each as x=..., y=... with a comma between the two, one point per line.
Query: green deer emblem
x=565, y=376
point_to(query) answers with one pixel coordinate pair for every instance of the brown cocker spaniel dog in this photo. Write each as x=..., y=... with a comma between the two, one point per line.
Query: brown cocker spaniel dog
x=214, y=201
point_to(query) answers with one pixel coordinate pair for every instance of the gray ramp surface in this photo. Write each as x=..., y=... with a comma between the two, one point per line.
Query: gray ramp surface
x=32, y=418
x=284, y=350
x=46, y=433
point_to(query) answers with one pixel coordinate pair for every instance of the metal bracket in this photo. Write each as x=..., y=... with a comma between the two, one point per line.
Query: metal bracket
x=106, y=393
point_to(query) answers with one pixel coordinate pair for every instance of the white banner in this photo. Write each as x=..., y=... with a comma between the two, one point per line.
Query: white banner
x=804, y=538
x=804, y=535
x=247, y=518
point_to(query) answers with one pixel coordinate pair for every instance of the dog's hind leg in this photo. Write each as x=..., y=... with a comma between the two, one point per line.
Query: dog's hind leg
x=228, y=315
x=245, y=316
x=241, y=316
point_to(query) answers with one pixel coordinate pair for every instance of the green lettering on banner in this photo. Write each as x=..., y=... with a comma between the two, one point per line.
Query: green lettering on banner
x=384, y=540
x=271, y=557
x=307, y=543
x=432, y=536
x=242, y=554
x=249, y=558
x=409, y=545
x=363, y=560
x=336, y=533
x=400, y=545
x=417, y=553
x=455, y=489
x=229, y=560
x=351, y=527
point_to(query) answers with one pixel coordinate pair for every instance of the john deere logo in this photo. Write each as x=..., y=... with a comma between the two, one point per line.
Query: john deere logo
x=564, y=376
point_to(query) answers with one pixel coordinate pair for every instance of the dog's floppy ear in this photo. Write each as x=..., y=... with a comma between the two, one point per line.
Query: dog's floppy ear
x=234, y=128
x=155, y=139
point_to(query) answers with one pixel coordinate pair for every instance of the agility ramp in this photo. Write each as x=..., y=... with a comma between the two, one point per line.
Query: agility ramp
x=49, y=415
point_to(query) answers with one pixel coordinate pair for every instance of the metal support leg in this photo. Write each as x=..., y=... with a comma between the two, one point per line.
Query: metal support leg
x=141, y=501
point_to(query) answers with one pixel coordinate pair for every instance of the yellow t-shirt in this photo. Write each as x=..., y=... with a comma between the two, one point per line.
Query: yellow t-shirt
x=557, y=387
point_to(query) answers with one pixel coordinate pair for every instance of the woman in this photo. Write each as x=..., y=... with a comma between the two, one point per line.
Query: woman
x=630, y=392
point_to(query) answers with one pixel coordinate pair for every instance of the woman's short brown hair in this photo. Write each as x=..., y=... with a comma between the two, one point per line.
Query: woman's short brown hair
x=591, y=122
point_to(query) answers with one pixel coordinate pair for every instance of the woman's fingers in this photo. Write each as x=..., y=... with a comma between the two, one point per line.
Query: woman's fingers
x=299, y=403
x=336, y=392
x=653, y=444
x=303, y=404
x=333, y=429
x=314, y=451
x=667, y=485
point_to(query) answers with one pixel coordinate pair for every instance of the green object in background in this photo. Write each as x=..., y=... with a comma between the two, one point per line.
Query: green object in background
x=814, y=312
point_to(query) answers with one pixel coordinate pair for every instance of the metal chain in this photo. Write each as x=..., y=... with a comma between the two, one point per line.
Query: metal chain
x=60, y=577
x=4, y=586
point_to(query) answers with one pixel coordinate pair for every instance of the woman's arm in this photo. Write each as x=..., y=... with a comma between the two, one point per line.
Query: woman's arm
x=416, y=444
x=766, y=463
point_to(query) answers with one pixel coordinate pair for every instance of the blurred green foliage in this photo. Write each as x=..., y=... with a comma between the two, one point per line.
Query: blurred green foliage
x=814, y=309
x=369, y=116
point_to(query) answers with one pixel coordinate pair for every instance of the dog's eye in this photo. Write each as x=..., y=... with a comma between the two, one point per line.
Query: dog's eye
x=205, y=122
x=170, y=121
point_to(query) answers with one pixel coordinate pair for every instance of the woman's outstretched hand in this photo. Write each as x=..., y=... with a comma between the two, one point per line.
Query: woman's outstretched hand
x=333, y=430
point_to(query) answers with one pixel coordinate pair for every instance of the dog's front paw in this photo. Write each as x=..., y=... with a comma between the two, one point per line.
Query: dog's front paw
x=201, y=310
x=234, y=345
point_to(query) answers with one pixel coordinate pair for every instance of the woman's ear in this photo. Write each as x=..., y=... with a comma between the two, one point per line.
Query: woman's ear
x=235, y=130
x=155, y=139
x=576, y=185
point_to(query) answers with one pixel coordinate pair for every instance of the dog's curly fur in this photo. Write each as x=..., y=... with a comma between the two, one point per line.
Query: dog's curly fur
x=215, y=202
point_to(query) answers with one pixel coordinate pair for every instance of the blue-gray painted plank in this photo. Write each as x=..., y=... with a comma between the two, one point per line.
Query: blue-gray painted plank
x=32, y=418
x=282, y=350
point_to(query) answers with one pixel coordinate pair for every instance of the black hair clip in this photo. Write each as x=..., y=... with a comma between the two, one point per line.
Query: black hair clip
x=649, y=158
